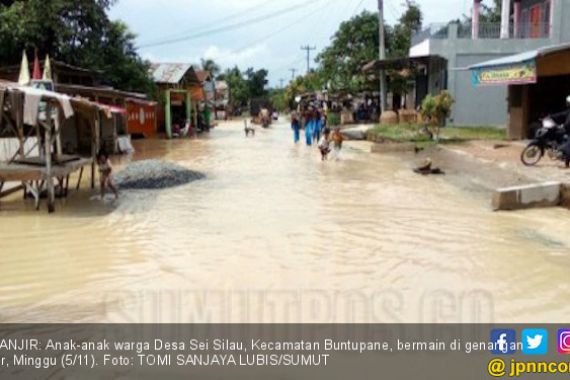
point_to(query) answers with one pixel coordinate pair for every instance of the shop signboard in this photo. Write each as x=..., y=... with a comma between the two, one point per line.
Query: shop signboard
x=519, y=73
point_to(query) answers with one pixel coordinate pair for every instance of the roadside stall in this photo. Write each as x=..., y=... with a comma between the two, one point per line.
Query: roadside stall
x=44, y=138
x=538, y=82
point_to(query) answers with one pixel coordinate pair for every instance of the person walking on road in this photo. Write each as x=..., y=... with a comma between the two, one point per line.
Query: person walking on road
x=309, y=127
x=317, y=125
x=296, y=127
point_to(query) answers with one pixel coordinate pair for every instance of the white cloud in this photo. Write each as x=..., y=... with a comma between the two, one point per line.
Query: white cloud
x=227, y=57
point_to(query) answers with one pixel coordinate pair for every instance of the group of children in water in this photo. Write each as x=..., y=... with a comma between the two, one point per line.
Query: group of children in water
x=314, y=122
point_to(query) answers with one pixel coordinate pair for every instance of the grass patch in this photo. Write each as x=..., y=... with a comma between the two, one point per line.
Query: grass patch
x=448, y=135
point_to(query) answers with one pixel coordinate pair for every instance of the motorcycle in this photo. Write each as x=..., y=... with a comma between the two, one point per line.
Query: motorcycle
x=549, y=140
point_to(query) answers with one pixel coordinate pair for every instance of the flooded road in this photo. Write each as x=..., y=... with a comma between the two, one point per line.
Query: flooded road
x=274, y=235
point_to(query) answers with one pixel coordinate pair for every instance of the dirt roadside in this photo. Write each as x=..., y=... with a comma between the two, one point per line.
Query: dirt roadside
x=484, y=166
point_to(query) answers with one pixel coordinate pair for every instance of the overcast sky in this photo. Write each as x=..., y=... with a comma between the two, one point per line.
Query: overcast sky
x=274, y=43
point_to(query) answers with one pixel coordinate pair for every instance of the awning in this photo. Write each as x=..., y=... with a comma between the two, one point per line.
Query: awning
x=515, y=69
x=401, y=63
x=113, y=109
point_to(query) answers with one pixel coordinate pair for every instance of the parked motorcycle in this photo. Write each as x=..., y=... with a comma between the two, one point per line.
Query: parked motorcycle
x=549, y=140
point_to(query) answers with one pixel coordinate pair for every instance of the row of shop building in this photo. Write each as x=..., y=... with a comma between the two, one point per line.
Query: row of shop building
x=180, y=86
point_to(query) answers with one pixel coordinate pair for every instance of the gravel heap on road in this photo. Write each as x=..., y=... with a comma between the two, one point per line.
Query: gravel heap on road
x=155, y=174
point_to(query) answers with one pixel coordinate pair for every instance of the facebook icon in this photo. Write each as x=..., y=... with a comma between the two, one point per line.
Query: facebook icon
x=504, y=342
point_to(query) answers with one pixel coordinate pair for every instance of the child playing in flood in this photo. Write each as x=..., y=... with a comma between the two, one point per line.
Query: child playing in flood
x=106, y=173
x=324, y=145
x=337, y=140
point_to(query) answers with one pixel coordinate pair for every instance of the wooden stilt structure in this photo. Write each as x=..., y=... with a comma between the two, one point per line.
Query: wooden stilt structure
x=43, y=169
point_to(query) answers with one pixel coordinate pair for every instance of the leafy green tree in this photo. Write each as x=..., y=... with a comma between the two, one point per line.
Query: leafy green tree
x=491, y=13
x=77, y=32
x=278, y=100
x=353, y=45
x=238, y=87
x=245, y=86
x=300, y=86
x=211, y=66
x=256, y=82
x=356, y=43
x=409, y=23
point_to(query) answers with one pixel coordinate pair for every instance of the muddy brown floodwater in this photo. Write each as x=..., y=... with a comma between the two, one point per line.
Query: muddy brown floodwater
x=274, y=235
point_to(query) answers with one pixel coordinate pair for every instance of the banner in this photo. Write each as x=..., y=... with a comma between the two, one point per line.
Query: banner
x=521, y=73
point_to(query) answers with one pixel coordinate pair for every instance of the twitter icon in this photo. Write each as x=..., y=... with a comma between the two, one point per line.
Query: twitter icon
x=535, y=342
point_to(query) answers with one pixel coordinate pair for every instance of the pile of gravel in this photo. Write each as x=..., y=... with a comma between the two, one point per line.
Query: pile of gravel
x=155, y=174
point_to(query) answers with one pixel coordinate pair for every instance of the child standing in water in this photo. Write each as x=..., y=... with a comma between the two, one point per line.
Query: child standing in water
x=324, y=145
x=337, y=140
x=106, y=173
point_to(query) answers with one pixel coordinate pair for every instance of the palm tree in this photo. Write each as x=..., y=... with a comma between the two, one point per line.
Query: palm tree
x=211, y=66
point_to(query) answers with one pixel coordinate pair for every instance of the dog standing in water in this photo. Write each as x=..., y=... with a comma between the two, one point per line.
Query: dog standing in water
x=248, y=130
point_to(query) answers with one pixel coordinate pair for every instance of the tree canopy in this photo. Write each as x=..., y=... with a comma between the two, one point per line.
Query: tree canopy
x=245, y=86
x=77, y=32
x=211, y=66
x=356, y=43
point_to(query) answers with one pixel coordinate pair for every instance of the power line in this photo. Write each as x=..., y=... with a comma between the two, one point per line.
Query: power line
x=271, y=35
x=216, y=21
x=235, y=26
x=357, y=7
x=308, y=49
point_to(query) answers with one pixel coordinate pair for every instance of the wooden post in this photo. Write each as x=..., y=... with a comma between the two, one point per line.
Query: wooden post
x=58, y=123
x=79, y=179
x=167, y=114
x=189, y=108
x=48, y=154
x=20, y=126
x=95, y=145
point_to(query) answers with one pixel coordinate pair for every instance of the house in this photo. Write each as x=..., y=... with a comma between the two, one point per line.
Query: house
x=176, y=83
x=526, y=25
x=222, y=100
x=538, y=82
x=205, y=94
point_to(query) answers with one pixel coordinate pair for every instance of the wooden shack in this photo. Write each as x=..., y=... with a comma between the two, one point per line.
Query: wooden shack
x=176, y=82
x=41, y=149
x=89, y=84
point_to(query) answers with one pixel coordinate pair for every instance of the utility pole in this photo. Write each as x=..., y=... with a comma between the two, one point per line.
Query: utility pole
x=383, y=96
x=282, y=81
x=293, y=72
x=308, y=49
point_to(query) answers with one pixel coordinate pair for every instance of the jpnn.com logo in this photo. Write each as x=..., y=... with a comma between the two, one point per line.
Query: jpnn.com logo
x=504, y=342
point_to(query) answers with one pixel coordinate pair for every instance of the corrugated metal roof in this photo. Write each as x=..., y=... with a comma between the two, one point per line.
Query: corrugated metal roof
x=203, y=75
x=171, y=73
x=522, y=57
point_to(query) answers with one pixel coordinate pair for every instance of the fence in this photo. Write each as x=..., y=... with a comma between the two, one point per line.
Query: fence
x=486, y=31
